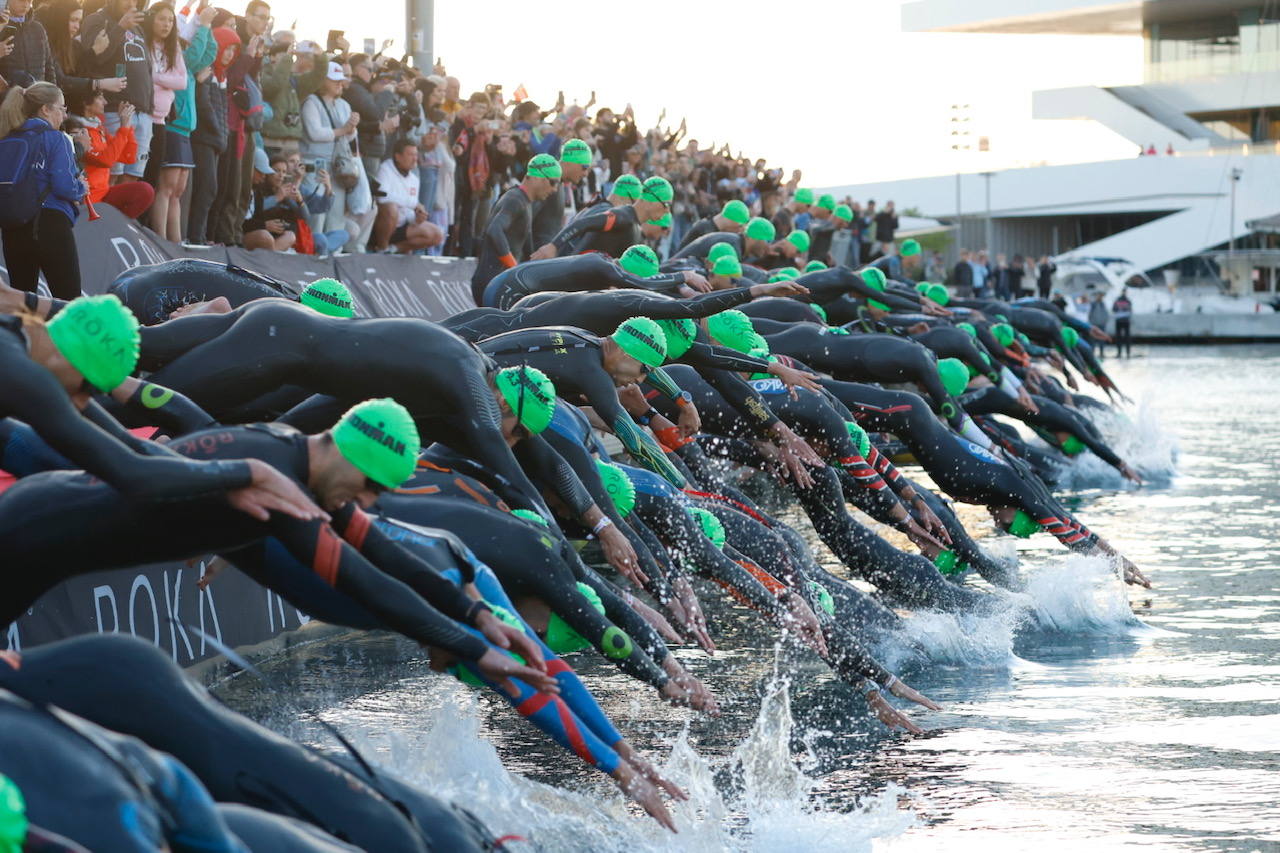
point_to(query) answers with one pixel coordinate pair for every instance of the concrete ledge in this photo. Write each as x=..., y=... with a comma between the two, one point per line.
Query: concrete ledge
x=1208, y=328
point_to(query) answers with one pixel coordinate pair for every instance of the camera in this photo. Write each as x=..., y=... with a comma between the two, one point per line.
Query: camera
x=410, y=116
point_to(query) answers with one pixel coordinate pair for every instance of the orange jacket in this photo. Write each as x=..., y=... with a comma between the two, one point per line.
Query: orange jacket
x=104, y=152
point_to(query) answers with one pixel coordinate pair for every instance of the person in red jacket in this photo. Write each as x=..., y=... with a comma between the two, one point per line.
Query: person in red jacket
x=105, y=150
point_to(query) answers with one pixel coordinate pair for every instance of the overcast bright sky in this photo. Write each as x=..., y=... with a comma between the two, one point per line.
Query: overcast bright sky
x=835, y=89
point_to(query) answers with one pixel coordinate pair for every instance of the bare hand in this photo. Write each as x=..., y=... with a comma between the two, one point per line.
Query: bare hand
x=1133, y=575
x=618, y=551
x=891, y=716
x=644, y=768
x=270, y=491
x=543, y=252
x=921, y=537
x=1130, y=474
x=500, y=668
x=1025, y=401
x=642, y=791
x=206, y=16
x=130, y=19
x=795, y=466
x=794, y=378
x=930, y=521
x=696, y=281
x=211, y=570
x=6, y=46
x=695, y=622
x=932, y=308
x=508, y=637
x=799, y=617
x=690, y=421
x=904, y=691
x=687, y=690
x=275, y=226
x=779, y=288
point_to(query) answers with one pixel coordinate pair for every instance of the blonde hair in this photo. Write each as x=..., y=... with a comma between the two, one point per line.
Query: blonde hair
x=21, y=104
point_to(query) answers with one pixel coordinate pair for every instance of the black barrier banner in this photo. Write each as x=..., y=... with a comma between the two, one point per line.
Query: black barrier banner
x=157, y=603
x=383, y=285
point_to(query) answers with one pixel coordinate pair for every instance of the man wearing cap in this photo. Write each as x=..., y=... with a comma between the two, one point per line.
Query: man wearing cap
x=372, y=106
x=615, y=229
x=549, y=215
x=731, y=219
x=843, y=242
x=754, y=245
x=900, y=265
x=509, y=232
x=801, y=205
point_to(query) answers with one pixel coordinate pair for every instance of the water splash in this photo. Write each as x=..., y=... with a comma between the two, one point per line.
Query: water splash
x=1139, y=439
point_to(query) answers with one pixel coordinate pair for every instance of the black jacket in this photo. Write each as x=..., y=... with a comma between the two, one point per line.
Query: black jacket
x=32, y=59
x=962, y=275
x=211, y=115
x=373, y=142
x=125, y=48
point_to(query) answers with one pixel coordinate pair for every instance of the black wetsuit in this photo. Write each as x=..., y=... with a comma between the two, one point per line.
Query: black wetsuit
x=93, y=440
x=1052, y=418
x=590, y=271
x=104, y=790
x=153, y=291
x=700, y=247
x=506, y=236
x=573, y=359
x=225, y=361
x=113, y=533
x=611, y=230
x=783, y=310
x=130, y=686
x=701, y=228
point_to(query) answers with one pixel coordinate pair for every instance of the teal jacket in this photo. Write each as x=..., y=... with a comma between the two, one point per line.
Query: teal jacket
x=199, y=55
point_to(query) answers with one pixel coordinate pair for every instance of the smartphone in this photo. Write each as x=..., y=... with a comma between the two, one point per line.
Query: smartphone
x=119, y=69
x=309, y=167
x=332, y=44
x=9, y=31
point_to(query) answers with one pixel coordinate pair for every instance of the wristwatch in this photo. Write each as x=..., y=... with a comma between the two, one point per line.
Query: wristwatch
x=684, y=398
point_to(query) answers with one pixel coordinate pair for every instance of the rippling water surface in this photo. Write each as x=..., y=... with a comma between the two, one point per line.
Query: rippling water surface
x=1134, y=718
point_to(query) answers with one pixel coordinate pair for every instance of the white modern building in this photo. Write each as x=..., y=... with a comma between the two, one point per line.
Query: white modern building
x=1211, y=94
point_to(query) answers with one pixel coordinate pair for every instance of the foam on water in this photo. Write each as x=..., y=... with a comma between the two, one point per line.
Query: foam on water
x=755, y=799
x=1137, y=438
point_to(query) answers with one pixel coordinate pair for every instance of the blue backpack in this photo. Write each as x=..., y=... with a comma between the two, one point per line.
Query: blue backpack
x=22, y=156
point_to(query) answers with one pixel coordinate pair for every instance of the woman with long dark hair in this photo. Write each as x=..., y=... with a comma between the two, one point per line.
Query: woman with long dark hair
x=61, y=20
x=170, y=152
x=45, y=244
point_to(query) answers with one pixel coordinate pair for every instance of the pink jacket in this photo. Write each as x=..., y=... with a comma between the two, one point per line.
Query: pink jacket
x=165, y=81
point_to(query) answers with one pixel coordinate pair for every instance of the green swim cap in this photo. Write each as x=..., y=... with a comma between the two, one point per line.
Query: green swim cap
x=643, y=340
x=727, y=265
x=823, y=596
x=711, y=526
x=859, y=437
x=1023, y=525
x=657, y=189
x=99, y=337
x=380, y=439
x=1070, y=337
x=788, y=272
x=777, y=275
x=640, y=260
x=947, y=562
x=680, y=336
x=1023, y=339
x=955, y=376
x=13, y=816
x=909, y=248
x=721, y=250
x=814, y=266
x=618, y=485
x=819, y=310
x=663, y=221
x=529, y=394
x=843, y=212
x=328, y=296
x=731, y=328
x=874, y=278
x=968, y=328
x=530, y=515
x=736, y=211
x=922, y=288
x=762, y=352
x=759, y=346
x=575, y=151
x=804, y=195
x=627, y=186
x=761, y=229
x=827, y=201
x=544, y=166
x=799, y=239
x=562, y=639
x=939, y=294
x=1003, y=333
x=1073, y=446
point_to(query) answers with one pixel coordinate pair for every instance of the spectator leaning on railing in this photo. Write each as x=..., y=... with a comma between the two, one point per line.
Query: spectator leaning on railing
x=44, y=243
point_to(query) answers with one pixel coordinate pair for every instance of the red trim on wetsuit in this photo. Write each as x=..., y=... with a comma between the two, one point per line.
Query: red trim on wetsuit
x=866, y=476
x=431, y=466
x=741, y=507
x=479, y=498
x=420, y=490
x=357, y=529
x=328, y=555
x=770, y=583
x=555, y=666
x=610, y=219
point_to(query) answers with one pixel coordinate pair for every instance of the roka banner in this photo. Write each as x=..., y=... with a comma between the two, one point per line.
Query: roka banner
x=160, y=603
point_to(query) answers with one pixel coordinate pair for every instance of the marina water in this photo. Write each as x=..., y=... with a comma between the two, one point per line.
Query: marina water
x=1086, y=716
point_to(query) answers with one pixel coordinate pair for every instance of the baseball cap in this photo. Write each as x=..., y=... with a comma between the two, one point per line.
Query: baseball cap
x=307, y=46
x=261, y=162
x=335, y=72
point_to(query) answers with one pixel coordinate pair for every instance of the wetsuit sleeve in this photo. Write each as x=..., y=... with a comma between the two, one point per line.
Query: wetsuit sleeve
x=390, y=600
x=411, y=568
x=604, y=399
x=544, y=464
x=495, y=234
x=164, y=342
x=743, y=398
x=31, y=394
x=603, y=221
x=176, y=414
x=695, y=307
x=702, y=355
